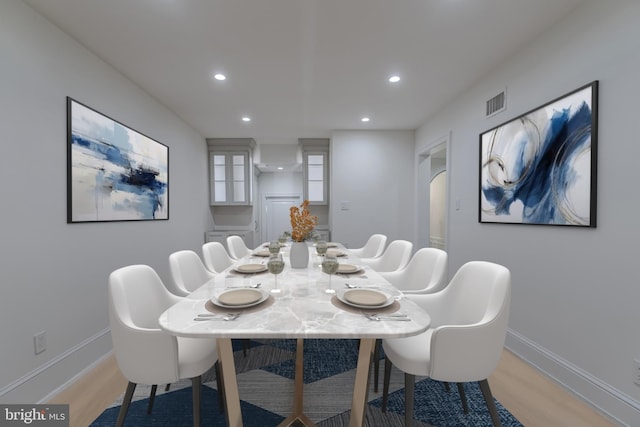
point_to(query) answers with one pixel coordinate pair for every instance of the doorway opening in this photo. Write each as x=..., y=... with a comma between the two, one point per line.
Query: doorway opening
x=433, y=195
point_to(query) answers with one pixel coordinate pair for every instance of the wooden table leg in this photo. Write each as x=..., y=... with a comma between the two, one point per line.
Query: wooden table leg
x=361, y=385
x=298, y=396
x=228, y=368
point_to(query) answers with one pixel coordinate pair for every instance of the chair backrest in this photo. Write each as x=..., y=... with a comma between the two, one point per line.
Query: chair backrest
x=425, y=273
x=136, y=298
x=394, y=258
x=215, y=257
x=237, y=248
x=188, y=272
x=470, y=323
x=373, y=248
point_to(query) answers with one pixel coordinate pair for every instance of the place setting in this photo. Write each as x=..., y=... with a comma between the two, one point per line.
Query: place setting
x=248, y=269
x=375, y=304
x=336, y=253
x=351, y=270
x=263, y=253
x=229, y=303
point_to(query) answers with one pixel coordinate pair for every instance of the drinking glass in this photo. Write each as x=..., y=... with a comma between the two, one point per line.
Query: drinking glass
x=321, y=247
x=330, y=267
x=282, y=239
x=274, y=247
x=275, y=266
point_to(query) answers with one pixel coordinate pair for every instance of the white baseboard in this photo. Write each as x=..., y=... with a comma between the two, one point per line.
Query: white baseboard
x=611, y=402
x=40, y=384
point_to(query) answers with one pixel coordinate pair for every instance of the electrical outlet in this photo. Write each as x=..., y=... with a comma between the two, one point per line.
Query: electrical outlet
x=40, y=342
x=636, y=372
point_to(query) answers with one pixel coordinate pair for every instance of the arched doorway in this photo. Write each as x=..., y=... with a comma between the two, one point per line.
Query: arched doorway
x=432, y=195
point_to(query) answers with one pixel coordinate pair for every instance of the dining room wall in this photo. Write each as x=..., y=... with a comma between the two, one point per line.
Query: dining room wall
x=574, y=311
x=54, y=274
x=372, y=185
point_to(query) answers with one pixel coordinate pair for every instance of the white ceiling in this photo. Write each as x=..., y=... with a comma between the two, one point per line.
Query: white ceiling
x=301, y=68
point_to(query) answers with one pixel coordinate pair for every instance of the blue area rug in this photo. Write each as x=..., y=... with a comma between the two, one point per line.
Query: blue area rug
x=265, y=382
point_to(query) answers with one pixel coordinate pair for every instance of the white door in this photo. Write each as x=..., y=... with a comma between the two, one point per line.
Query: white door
x=275, y=216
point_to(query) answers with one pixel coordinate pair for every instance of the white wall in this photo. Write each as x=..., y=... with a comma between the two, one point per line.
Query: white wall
x=373, y=171
x=54, y=274
x=575, y=310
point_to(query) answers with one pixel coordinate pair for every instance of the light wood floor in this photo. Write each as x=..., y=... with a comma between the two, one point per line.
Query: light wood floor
x=535, y=400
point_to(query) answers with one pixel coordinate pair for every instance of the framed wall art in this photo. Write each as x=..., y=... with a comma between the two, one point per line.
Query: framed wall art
x=113, y=172
x=540, y=168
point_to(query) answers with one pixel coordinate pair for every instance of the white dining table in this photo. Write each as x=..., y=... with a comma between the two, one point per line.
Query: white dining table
x=303, y=309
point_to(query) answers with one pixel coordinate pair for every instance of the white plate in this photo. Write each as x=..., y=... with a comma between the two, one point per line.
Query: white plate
x=240, y=298
x=348, y=269
x=250, y=268
x=365, y=298
x=262, y=252
x=333, y=252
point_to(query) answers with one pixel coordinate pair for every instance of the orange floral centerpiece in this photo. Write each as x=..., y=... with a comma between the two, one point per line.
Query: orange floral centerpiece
x=302, y=222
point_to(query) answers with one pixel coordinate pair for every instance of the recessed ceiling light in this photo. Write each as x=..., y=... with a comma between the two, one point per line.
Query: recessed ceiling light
x=280, y=168
x=246, y=119
x=365, y=119
x=220, y=77
x=394, y=79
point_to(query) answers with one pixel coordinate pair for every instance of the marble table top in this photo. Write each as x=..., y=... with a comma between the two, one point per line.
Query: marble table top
x=301, y=310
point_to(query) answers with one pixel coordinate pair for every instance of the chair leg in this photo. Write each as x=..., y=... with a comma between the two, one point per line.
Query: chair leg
x=488, y=398
x=125, y=404
x=167, y=387
x=463, y=397
x=376, y=364
x=409, y=386
x=446, y=387
x=385, y=383
x=152, y=398
x=245, y=346
x=195, y=386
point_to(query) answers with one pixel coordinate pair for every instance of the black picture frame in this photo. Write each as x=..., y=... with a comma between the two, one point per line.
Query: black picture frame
x=540, y=168
x=114, y=173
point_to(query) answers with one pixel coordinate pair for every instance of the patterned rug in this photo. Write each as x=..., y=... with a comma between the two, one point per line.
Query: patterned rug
x=266, y=383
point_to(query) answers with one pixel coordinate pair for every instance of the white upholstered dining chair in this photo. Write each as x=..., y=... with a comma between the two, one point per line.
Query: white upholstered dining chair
x=394, y=258
x=372, y=249
x=144, y=353
x=215, y=257
x=465, y=340
x=425, y=273
x=236, y=247
x=188, y=272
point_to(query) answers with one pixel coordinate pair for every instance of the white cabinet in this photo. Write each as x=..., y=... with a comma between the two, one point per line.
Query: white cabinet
x=315, y=170
x=230, y=171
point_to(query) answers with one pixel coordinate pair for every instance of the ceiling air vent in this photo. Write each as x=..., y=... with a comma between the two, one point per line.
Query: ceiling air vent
x=496, y=104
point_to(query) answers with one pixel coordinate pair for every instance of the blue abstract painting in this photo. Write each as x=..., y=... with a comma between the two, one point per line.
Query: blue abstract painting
x=114, y=172
x=540, y=168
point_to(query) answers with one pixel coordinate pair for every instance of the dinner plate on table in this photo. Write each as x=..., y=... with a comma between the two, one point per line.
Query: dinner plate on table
x=348, y=269
x=250, y=268
x=336, y=253
x=240, y=298
x=365, y=298
x=262, y=253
